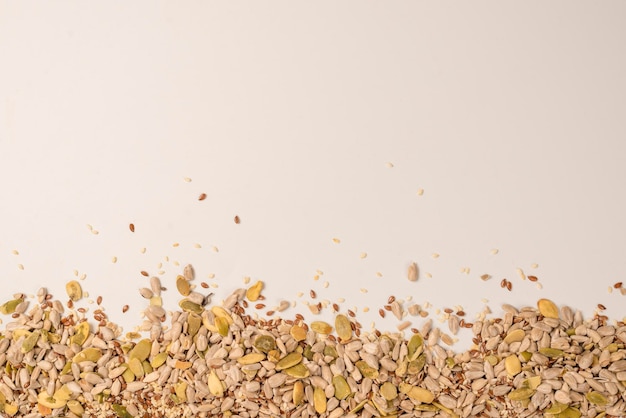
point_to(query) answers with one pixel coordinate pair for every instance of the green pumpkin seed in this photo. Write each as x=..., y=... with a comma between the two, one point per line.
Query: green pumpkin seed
x=121, y=411
x=194, y=322
x=366, y=370
x=319, y=400
x=183, y=286
x=9, y=307
x=342, y=389
x=415, y=346
x=520, y=394
x=189, y=306
x=141, y=350
x=30, y=342
x=299, y=371
x=389, y=391
x=551, y=352
x=596, y=398
x=289, y=360
x=265, y=343
x=343, y=327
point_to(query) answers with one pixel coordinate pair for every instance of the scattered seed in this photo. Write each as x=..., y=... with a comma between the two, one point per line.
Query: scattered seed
x=237, y=220
x=125, y=308
x=413, y=272
x=144, y=273
x=532, y=278
x=202, y=196
x=381, y=312
x=618, y=285
x=312, y=294
x=601, y=307
x=363, y=255
x=131, y=226
x=336, y=240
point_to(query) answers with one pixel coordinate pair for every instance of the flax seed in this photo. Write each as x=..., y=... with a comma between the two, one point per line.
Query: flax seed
x=202, y=196
x=532, y=278
x=125, y=308
x=312, y=294
x=381, y=312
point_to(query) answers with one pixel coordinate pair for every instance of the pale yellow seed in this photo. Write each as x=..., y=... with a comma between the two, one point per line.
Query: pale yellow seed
x=336, y=240
x=534, y=265
x=246, y=280
x=15, y=252
x=142, y=250
x=610, y=289
x=20, y=266
x=363, y=255
x=520, y=273
x=187, y=179
x=420, y=192
x=113, y=259
x=211, y=275
x=196, y=245
x=389, y=164
x=325, y=285
x=435, y=255
x=379, y=274
x=512, y=365
x=363, y=290
x=366, y=309
x=215, y=249
x=494, y=251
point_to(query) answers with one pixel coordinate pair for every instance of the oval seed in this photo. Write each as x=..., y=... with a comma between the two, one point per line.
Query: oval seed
x=342, y=325
x=319, y=400
x=254, y=291
x=321, y=327
x=183, y=285
x=74, y=291
x=547, y=308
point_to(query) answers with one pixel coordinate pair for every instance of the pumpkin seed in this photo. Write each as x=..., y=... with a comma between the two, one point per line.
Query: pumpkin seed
x=417, y=393
x=415, y=346
x=8, y=308
x=389, y=391
x=342, y=325
x=299, y=371
x=251, y=358
x=298, y=333
x=514, y=336
x=551, y=352
x=189, y=306
x=319, y=400
x=547, y=308
x=596, y=398
x=222, y=325
x=342, y=389
x=215, y=385
x=520, y=394
x=121, y=411
x=265, y=343
x=366, y=370
x=183, y=286
x=321, y=327
x=298, y=393
x=289, y=360
x=74, y=291
x=512, y=365
x=254, y=291
x=141, y=350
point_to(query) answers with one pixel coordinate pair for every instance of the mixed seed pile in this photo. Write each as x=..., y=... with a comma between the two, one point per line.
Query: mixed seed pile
x=216, y=360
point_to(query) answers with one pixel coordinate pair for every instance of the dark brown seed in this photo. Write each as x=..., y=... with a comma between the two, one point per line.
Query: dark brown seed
x=319, y=306
x=261, y=297
x=601, y=307
x=144, y=273
x=299, y=317
x=237, y=220
x=618, y=285
x=357, y=332
x=387, y=308
x=124, y=308
x=414, y=330
x=509, y=286
x=204, y=285
x=269, y=313
x=460, y=313
x=131, y=227
x=15, y=315
x=503, y=283
x=70, y=304
x=381, y=312
x=332, y=338
x=48, y=296
x=532, y=278
x=82, y=310
x=351, y=313
x=244, y=303
x=335, y=307
x=313, y=294
x=391, y=299
x=448, y=310
x=259, y=306
x=99, y=300
x=202, y=196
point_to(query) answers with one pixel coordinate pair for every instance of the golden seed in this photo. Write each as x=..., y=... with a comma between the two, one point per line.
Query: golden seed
x=254, y=292
x=342, y=325
x=321, y=327
x=319, y=400
x=183, y=286
x=74, y=291
x=547, y=308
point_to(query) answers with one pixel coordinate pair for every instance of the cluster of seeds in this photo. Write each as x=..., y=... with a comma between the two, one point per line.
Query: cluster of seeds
x=216, y=360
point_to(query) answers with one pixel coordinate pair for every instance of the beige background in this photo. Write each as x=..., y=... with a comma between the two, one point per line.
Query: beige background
x=510, y=116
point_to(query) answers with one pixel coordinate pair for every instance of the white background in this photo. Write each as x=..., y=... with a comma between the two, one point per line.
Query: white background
x=510, y=116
